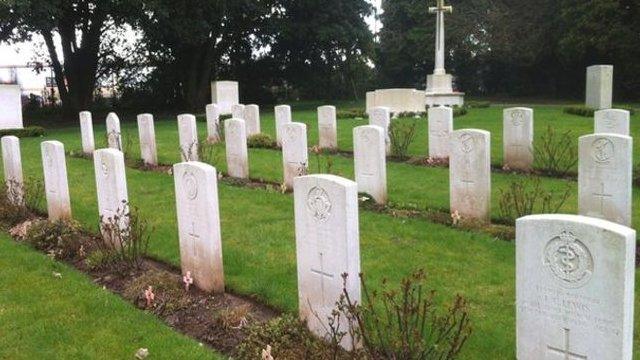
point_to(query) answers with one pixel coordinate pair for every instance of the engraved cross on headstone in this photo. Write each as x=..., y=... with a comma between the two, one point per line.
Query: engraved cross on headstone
x=323, y=275
x=195, y=239
x=602, y=195
x=565, y=352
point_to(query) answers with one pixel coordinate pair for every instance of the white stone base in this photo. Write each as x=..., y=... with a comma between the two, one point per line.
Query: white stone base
x=439, y=83
x=444, y=99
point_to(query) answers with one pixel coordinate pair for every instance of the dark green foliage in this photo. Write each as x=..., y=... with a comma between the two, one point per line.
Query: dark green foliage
x=527, y=196
x=351, y=114
x=263, y=141
x=60, y=239
x=460, y=111
x=29, y=131
x=555, y=152
x=582, y=110
x=402, y=133
x=477, y=104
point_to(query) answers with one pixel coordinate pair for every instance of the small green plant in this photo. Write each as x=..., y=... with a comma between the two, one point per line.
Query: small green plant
x=34, y=196
x=102, y=258
x=209, y=153
x=128, y=144
x=29, y=131
x=234, y=318
x=61, y=239
x=579, y=110
x=555, y=153
x=128, y=234
x=402, y=133
x=261, y=141
x=477, y=104
x=460, y=111
x=324, y=161
x=190, y=151
x=527, y=196
x=169, y=294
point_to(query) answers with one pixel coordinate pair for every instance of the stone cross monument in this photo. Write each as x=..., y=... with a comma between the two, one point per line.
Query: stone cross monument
x=439, y=84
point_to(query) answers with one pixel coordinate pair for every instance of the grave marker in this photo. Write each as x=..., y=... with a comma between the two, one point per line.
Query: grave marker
x=213, y=123
x=147, y=135
x=440, y=129
x=55, y=180
x=283, y=116
x=111, y=186
x=237, y=111
x=370, y=161
x=188, y=133
x=252, y=119
x=12, y=161
x=381, y=116
x=114, y=135
x=612, y=121
x=599, y=86
x=517, y=137
x=295, y=155
x=236, y=146
x=225, y=94
x=327, y=127
x=86, y=133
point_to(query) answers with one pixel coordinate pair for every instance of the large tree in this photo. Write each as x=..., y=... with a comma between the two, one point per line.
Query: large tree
x=80, y=24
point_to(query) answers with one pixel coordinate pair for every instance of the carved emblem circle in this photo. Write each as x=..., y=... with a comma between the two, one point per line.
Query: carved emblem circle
x=602, y=150
x=319, y=204
x=105, y=168
x=467, y=142
x=517, y=117
x=190, y=184
x=568, y=260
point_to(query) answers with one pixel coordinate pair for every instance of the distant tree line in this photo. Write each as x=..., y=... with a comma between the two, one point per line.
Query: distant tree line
x=323, y=49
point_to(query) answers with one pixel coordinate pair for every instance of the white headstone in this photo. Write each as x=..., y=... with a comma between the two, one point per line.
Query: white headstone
x=86, y=133
x=381, y=116
x=470, y=173
x=327, y=127
x=295, y=157
x=147, y=135
x=237, y=111
x=111, y=186
x=283, y=116
x=369, y=156
x=574, y=288
x=225, y=94
x=196, y=186
x=612, y=121
x=213, y=123
x=11, y=105
x=114, y=135
x=236, y=147
x=12, y=161
x=517, y=138
x=599, y=86
x=327, y=245
x=252, y=119
x=55, y=180
x=440, y=128
x=605, y=177
x=188, y=134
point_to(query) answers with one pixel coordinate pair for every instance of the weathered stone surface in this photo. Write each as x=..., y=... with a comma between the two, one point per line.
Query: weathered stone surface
x=11, y=105
x=12, y=162
x=252, y=119
x=147, y=135
x=213, y=123
x=370, y=161
x=440, y=128
x=114, y=135
x=196, y=186
x=86, y=133
x=237, y=111
x=605, y=177
x=283, y=116
x=236, y=146
x=381, y=116
x=397, y=100
x=574, y=288
x=111, y=186
x=225, y=94
x=517, y=138
x=327, y=127
x=470, y=173
x=188, y=133
x=599, y=86
x=612, y=121
x=327, y=245
x=295, y=157
x=56, y=185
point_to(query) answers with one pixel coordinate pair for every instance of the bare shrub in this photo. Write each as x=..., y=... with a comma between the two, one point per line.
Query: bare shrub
x=555, y=152
x=402, y=133
x=527, y=196
x=126, y=233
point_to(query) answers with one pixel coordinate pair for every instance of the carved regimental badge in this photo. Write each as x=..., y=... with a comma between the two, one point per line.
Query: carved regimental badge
x=602, y=150
x=319, y=204
x=517, y=117
x=190, y=185
x=568, y=260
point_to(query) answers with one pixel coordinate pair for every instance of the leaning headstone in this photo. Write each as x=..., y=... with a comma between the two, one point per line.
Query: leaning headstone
x=111, y=186
x=295, y=157
x=11, y=105
x=225, y=94
x=370, y=161
x=12, y=161
x=440, y=128
x=252, y=119
x=599, y=86
x=86, y=133
x=612, y=121
x=283, y=116
x=381, y=116
x=327, y=246
x=114, y=135
x=470, y=173
x=237, y=111
x=147, y=135
x=327, y=127
x=55, y=180
x=605, y=177
x=213, y=123
x=574, y=288
x=188, y=134
x=196, y=186
x=517, y=138
x=236, y=147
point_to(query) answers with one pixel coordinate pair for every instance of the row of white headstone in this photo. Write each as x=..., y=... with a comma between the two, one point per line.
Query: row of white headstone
x=574, y=274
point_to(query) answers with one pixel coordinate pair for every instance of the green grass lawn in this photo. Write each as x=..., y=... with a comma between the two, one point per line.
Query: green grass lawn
x=44, y=317
x=258, y=229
